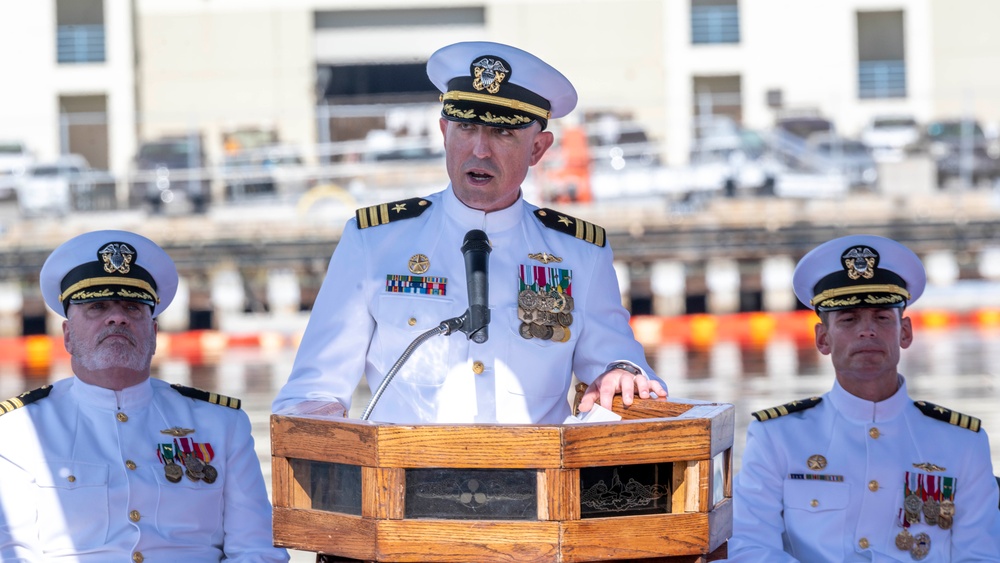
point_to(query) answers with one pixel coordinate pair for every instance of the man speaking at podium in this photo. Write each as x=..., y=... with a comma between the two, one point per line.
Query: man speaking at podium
x=401, y=269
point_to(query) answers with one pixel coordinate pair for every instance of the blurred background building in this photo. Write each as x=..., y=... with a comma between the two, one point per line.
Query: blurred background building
x=698, y=122
x=101, y=78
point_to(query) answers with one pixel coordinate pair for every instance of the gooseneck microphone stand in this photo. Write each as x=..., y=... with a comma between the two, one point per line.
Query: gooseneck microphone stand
x=446, y=327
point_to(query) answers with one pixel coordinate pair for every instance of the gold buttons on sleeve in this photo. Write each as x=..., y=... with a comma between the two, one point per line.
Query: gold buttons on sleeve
x=478, y=367
x=863, y=543
x=130, y=464
x=122, y=417
x=134, y=516
x=874, y=433
x=873, y=485
x=814, y=503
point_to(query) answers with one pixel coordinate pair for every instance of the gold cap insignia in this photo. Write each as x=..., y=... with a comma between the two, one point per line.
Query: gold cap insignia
x=489, y=73
x=117, y=257
x=860, y=262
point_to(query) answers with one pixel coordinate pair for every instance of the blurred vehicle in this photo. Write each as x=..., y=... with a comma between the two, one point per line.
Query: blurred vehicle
x=244, y=176
x=288, y=170
x=381, y=145
x=169, y=169
x=14, y=161
x=851, y=158
x=266, y=171
x=730, y=160
x=617, y=144
x=890, y=137
x=58, y=187
x=804, y=126
x=961, y=151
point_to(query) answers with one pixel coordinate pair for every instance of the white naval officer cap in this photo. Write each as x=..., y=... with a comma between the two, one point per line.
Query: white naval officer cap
x=498, y=85
x=859, y=271
x=108, y=266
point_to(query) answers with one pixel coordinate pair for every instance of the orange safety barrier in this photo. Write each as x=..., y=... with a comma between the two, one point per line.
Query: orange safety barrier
x=759, y=328
x=37, y=353
x=702, y=330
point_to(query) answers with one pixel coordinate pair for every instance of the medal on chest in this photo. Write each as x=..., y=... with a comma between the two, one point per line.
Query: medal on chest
x=185, y=457
x=913, y=502
x=545, y=302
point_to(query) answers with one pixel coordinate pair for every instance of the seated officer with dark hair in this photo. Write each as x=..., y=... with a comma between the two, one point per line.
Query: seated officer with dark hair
x=111, y=465
x=864, y=473
x=555, y=309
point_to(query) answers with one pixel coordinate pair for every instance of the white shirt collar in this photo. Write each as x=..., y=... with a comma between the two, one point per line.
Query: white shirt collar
x=470, y=218
x=862, y=411
x=130, y=398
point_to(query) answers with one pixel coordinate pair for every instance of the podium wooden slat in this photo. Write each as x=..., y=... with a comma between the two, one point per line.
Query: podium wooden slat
x=429, y=541
x=634, y=537
x=469, y=446
x=649, y=441
x=325, y=532
x=310, y=438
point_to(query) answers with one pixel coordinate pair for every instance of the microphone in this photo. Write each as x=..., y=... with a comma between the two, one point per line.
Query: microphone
x=476, y=249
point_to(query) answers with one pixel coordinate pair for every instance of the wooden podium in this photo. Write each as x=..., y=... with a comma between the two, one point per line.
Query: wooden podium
x=654, y=487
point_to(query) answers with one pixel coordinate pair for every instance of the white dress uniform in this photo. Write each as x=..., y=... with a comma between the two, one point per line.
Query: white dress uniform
x=840, y=478
x=84, y=479
x=828, y=484
x=372, y=306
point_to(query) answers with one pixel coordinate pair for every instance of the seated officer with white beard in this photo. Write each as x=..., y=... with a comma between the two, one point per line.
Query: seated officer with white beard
x=111, y=465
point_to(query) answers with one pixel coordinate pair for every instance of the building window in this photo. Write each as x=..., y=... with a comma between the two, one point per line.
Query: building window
x=881, y=55
x=80, y=31
x=714, y=22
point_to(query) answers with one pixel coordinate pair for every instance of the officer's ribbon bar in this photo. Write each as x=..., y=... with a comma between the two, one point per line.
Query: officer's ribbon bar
x=415, y=284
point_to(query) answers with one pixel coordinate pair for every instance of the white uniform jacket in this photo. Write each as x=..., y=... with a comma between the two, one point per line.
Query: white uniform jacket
x=81, y=479
x=827, y=484
x=361, y=325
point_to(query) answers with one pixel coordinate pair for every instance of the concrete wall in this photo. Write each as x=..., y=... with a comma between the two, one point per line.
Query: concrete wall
x=965, y=46
x=225, y=65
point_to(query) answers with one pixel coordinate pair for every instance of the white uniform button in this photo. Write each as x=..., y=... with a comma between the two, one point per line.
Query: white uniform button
x=122, y=417
x=873, y=485
x=863, y=543
x=874, y=433
x=130, y=464
x=137, y=557
x=477, y=367
x=134, y=516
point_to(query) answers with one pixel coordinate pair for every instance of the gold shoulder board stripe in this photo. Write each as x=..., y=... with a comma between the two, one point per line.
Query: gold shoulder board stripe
x=213, y=398
x=947, y=415
x=787, y=408
x=579, y=228
x=385, y=213
x=25, y=398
